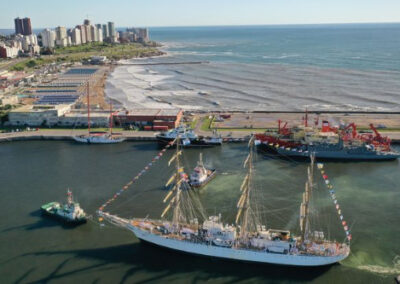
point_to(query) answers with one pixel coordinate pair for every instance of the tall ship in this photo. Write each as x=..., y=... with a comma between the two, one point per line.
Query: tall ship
x=98, y=137
x=188, y=138
x=70, y=212
x=327, y=143
x=245, y=240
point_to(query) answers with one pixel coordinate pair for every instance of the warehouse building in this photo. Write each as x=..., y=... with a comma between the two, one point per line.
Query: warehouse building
x=149, y=119
x=37, y=115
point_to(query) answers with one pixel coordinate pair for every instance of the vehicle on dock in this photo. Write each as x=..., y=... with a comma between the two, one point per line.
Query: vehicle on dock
x=201, y=175
x=71, y=212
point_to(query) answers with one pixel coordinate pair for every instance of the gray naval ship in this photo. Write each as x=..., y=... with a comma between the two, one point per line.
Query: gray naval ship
x=328, y=144
x=338, y=151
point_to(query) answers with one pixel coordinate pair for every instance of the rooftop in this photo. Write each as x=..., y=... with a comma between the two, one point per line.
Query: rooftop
x=150, y=112
x=39, y=108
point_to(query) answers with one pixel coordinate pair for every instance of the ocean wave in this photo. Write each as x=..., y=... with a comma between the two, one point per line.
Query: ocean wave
x=254, y=86
x=283, y=56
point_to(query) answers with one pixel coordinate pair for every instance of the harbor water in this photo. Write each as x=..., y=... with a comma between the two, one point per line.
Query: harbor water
x=37, y=249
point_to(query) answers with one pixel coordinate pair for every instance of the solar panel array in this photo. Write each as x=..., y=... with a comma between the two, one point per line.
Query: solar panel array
x=56, y=91
x=81, y=71
x=65, y=85
x=57, y=99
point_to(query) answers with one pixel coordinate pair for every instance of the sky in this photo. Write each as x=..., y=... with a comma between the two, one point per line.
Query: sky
x=150, y=13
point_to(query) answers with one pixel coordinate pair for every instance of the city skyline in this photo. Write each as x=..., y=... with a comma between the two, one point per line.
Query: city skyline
x=158, y=13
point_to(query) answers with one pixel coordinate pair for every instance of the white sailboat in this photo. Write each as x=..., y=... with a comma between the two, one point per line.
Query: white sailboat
x=97, y=138
x=246, y=240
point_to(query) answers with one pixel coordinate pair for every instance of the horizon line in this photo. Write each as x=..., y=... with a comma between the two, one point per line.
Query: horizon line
x=239, y=25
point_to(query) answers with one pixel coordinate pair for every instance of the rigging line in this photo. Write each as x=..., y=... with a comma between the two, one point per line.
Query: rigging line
x=133, y=181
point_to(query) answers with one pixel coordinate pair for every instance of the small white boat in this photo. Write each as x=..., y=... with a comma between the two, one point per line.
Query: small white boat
x=98, y=139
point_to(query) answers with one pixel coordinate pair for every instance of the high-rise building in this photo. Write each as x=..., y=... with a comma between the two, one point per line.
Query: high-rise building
x=106, y=33
x=89, y=36
x=61, y=32
x=48, y=38
x=19, y=28
x=100, y=35
x=82, y=29
x=76, y=36
x=86, y=22
x=61, y=36
x=95, y=35
x=27, y=26
x=23, y=26
x=111, y=29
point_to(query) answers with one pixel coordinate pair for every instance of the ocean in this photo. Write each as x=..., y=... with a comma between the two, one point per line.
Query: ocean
x=35, y=249
x=320, y=67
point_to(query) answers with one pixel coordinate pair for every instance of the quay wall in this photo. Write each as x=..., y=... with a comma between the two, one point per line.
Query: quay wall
x=27, y=137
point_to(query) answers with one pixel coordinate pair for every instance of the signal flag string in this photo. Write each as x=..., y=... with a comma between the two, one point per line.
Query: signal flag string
x=335, y=202
x=126, y=187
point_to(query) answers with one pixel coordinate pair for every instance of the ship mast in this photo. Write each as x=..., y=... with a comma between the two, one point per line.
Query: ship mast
x=305, y=205
x=88, y=105
x=200, y=163
x=177, y=179
x=111, y=119
x=243, y=204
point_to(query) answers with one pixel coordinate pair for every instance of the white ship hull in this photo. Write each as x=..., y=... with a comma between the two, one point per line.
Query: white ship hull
x=234, y=254
x=98, y=139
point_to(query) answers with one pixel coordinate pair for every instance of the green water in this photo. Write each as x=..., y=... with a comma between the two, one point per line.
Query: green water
x=35, y=249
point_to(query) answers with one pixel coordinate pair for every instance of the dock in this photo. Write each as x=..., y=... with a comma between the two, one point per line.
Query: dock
x=130, y=136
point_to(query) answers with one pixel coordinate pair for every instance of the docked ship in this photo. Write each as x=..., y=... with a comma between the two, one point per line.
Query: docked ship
x=246, y=240
x=98, y=137
x=71, y=212
x=327, y=143
x=188, y=138
x=201, y=175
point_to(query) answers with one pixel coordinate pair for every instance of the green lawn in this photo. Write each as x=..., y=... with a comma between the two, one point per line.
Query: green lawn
x=207, y=124
x=193, y=124
x=82, y=52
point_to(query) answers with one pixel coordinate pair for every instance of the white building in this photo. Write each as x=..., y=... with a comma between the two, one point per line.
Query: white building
x=36, y=115
x=61, y=36
x=100, y=35
x=48, y=38
x=93, y=32
x=89, y=35
x=8, y=51
x=76, y=36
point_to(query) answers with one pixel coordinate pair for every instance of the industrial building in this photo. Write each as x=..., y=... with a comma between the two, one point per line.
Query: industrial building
x=37, y=115
x=149, y=119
